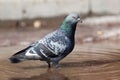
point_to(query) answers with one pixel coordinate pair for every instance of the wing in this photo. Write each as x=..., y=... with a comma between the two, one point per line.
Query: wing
x=57, y=42
x=52, y=45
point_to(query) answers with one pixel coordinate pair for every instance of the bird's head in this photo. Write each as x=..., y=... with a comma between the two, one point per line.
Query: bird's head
x=72, y=19
x=70, y=22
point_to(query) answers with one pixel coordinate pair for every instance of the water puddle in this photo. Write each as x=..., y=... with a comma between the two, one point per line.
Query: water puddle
x=48, y=75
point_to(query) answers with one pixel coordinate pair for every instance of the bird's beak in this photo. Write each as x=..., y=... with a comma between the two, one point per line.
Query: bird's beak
x=79, y=20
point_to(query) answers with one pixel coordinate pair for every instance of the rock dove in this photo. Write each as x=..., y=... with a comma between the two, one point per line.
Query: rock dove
x=53, y=47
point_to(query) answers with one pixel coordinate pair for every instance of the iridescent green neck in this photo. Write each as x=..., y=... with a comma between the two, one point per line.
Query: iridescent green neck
x=69, y=29
x=66, y=27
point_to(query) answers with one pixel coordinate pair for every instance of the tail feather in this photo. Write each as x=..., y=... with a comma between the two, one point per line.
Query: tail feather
x=22, y=51
x=19, y=56
x=14, y=60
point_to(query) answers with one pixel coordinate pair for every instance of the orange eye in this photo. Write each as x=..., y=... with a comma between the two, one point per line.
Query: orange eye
x=73, y=17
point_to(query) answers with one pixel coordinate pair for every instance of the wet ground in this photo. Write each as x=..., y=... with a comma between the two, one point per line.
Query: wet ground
x=86, y=62
x=92, y=58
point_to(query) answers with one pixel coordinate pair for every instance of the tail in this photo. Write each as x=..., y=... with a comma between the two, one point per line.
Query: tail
x=19, y=56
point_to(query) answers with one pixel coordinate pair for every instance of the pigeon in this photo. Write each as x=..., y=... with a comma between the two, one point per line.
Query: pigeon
x=54, y=46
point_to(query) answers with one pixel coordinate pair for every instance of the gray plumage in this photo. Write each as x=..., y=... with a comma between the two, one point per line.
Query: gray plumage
x=54, y=46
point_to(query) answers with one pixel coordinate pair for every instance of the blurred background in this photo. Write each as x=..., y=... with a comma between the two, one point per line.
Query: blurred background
x=18, y=18
x=23, y=22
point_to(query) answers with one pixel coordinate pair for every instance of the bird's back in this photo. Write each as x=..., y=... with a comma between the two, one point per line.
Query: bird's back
x=53, y=45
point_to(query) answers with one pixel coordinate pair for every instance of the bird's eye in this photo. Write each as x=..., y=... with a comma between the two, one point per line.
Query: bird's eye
x=73, y=17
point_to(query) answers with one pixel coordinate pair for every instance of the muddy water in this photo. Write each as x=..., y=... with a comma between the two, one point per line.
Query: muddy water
x=86, y=62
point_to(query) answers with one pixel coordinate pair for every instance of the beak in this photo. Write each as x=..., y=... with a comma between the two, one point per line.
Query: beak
x=79, y=20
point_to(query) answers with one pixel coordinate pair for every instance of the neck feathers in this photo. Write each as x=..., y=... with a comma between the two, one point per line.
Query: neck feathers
x=69, y=29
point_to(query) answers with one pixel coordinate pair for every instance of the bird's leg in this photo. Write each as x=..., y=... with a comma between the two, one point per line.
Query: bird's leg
x=55, y=64
x=49, y=66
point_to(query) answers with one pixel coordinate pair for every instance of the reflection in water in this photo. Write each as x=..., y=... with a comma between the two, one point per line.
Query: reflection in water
x=49, y=75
